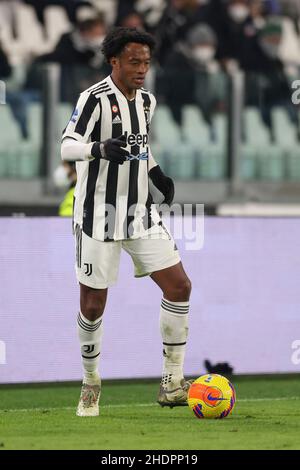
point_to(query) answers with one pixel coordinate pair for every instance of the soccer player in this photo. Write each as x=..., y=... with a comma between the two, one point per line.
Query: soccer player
x=108, y=137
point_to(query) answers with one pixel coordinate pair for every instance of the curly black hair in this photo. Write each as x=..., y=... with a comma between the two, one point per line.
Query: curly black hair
x=117, y=39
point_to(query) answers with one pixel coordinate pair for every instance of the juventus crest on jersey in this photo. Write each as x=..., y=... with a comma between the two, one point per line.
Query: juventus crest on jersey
x=113, y=202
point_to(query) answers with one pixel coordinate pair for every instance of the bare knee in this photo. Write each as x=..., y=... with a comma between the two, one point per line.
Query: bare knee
x=92, y=302
x=92, y=310
x=180, y=291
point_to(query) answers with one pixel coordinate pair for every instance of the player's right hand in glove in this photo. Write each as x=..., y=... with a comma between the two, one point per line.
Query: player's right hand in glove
x=163, y=183
x=111, y=149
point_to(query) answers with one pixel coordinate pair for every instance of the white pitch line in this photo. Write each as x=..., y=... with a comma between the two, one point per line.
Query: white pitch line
x=129, y=405
x=269, y=399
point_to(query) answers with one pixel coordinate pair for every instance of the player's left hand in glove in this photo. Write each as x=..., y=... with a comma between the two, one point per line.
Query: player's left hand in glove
x=163, y=183
x=111, y=149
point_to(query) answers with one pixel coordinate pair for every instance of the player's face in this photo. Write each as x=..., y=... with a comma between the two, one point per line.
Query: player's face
x=132, y=65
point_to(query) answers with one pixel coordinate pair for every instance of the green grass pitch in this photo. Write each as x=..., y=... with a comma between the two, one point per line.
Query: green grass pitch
x=266, y=416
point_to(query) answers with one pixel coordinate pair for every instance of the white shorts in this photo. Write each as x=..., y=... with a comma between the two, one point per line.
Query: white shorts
x=97, y=262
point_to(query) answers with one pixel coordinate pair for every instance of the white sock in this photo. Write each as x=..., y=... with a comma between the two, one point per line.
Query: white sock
x=90, y=334
x=174, y=331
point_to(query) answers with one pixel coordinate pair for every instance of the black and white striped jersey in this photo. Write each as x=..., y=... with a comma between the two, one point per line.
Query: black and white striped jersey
x=113, y=202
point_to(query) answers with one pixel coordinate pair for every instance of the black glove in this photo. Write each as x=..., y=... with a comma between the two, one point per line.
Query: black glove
x=111, y=149
x=218, y=368
x=163, y=183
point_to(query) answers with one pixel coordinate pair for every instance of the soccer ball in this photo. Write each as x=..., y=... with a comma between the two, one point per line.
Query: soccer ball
x=211, y=396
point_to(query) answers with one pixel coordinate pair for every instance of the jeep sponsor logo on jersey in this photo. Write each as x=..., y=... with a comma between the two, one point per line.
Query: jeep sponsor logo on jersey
x=136, y=139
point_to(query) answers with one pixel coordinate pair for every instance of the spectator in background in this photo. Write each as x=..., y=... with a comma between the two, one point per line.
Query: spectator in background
x=65, y=176
x=239, y=31
x=79, y=53
x=269, y=42
x=124, y=7
x=267, y=84
x=191, y=75
x=150, y=10
x=235, y=30
x=82, y=45
x=133, y=20
x=178, y=18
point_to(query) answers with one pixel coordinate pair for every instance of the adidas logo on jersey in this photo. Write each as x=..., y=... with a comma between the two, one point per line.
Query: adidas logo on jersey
x=116, y=120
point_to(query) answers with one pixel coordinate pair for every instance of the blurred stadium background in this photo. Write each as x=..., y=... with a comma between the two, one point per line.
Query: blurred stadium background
x=232, y=144
x=226, y=128
x=226, y=75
